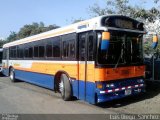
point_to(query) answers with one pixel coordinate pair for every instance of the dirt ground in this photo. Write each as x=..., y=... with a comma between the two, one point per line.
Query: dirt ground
x=148, y=103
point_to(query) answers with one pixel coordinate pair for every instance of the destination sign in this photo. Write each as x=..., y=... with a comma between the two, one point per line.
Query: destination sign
x=122, y=22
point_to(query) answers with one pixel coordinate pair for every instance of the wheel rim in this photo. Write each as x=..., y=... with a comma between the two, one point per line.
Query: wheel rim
x=11, y=75
x=61, y=87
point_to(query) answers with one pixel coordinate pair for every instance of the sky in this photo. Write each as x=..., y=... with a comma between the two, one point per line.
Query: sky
x=14, y=14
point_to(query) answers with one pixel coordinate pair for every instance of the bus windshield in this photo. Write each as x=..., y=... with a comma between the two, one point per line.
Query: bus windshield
x=124, y=49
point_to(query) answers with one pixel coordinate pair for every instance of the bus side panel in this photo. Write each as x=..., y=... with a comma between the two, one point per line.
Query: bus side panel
x=90, y=83
x=5, y=71
x=39, y=79
x=75, y=87
x=90, y=92
x=87, y=87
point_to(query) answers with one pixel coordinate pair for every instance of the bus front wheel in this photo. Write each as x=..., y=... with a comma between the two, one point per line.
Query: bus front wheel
x=12, y=75
x=65, y=87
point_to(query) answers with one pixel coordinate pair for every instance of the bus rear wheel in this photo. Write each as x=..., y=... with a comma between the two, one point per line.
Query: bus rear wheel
x=65, y=87
x=12, y=75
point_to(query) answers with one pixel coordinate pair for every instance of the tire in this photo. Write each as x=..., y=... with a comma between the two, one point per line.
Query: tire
x=65, y=88
x=12, y=75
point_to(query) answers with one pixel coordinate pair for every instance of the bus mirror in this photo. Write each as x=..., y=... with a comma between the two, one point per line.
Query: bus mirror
x=105, y=40
x=155, y=41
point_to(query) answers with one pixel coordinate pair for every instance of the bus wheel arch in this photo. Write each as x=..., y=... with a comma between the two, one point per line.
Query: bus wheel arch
x=63, y=85
x=12, y=74
x=10, y=67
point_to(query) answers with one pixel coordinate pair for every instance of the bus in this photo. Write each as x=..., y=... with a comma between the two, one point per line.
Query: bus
x=96, y=60
x=1, y=53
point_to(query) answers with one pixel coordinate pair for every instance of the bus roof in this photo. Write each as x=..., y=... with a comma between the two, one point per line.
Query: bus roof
x=91, y=24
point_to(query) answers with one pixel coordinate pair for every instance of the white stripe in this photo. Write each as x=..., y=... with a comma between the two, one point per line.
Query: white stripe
x=123, y=88
x=141, y=84
x=117, y=89
x=102, y=92
x=136, y=85
x=109, y=91
x=129, y=86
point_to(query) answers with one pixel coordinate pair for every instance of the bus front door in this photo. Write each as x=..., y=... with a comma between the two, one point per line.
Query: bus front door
x=86, y=66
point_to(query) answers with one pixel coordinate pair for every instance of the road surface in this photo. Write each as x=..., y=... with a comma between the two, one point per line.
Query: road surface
x=25, y=98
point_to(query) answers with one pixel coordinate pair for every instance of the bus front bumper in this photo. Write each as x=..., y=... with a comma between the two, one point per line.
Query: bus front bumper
x=108, y=95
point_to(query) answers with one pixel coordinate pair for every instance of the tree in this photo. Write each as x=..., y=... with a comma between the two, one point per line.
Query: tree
x=33, y=29
x=150, y=17
x=28, y=30
x=12, y=36
x=2, y=42
x=124, y=8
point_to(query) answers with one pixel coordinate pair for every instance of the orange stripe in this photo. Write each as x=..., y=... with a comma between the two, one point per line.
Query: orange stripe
x=51, y=68
x=119, y=73
x=93, y=74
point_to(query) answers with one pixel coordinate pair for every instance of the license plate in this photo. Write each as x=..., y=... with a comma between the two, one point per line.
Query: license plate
x=128, y=92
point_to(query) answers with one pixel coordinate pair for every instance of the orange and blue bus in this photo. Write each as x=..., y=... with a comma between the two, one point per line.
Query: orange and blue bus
x=95, y=60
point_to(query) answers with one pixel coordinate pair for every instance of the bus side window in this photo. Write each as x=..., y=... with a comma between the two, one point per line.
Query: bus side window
x=35, y=51
x=65, y=51
x=49, y=50
x=91, y=48
x=56, y=47
x=72, y=48
x=41, y=51
x=30, y=52
x=82, y=47
x=13, y=51
x=68, y=44
x=26, y=52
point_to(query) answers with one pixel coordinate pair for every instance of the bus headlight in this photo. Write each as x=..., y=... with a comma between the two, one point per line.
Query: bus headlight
x=111, y=85
x=140, y=81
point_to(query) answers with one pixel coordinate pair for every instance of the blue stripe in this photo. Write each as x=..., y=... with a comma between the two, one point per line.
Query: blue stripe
x=5, y=71
x=82, y=90
x=43, y=80
x=47, y=81
x=104, y=44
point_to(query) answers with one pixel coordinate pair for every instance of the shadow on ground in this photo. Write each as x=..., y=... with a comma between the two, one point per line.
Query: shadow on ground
x=152, y=90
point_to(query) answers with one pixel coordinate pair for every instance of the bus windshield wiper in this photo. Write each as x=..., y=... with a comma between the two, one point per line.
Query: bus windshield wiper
x=120, y=56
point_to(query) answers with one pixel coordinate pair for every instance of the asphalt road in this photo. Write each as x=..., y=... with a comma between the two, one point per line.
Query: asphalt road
x=25, y=98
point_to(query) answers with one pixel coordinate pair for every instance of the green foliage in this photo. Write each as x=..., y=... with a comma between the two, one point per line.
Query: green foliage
x=2, y=42
x=12, y=36
x=33, y=29
x=28, y=30
x=123, y=7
